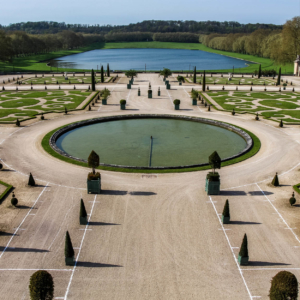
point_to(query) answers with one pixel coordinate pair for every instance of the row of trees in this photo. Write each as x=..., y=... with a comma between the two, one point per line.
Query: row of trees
x=281, y=45
x=179, y=37
x=145, y=26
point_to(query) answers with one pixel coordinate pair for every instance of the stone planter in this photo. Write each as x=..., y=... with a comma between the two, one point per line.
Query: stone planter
x=150, y=94
x=243, y=261
x=139, y=93
x=168, y=86
x=128, y=86
x=194, y=101
x=94, y=186
x=104, y=101
x=123, y=106
x=225, y=220
x=284, y=88
x=176, y=106
x=83, y=220
x=70, y=261
x=180, y=83
x=166, y=82
x=212, y=186
x=158, y=93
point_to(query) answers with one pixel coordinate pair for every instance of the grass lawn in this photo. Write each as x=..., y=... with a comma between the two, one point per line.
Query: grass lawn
x=38, y=62
x=236, y=80
x=274, y=105
x=23, y=105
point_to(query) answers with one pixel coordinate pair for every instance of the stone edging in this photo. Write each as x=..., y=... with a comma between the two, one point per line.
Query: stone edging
x=240, y=132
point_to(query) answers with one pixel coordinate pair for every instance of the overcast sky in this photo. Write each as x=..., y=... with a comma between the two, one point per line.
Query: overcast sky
x=122, y=12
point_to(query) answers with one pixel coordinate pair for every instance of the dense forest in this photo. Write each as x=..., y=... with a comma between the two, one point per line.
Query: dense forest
x=280, y=43
x=203, y=27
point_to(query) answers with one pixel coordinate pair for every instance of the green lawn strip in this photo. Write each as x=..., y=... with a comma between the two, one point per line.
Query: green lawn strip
x=33, y=63
x=236, y=81
x=6, y=192
x=291, y=113
x=296, y=188
x=18, y=103
x=279, y=104
x=252, y=152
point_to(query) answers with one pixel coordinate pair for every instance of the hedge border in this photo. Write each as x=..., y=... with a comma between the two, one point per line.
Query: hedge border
x=6, y=192
x=296, y=188
x=255, y=148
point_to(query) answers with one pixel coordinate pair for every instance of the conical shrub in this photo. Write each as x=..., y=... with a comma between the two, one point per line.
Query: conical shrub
x=41, y=286
x=83, y=213
x=69, y=251
x=281, y=123
x=284, y=285
x=244, y=248
x=18, y=123
x=31, y=181
x=226, y=212
x=275, y=180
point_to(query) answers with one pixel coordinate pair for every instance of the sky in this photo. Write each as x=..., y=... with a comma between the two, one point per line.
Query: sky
x=123, y=12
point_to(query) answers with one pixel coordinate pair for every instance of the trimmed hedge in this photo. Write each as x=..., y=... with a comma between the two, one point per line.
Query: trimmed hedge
x=176, y=101
x=7, y=190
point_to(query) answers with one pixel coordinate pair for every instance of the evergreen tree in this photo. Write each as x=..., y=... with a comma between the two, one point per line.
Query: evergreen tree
x=18, y=123
x=259, y=71
x=83, y=213
x=203, y=82
x=226, y=212
x=281, y=123
x=93, y=160
x=41, y=286
x=195, y=75
x=284, y=285
x=244, y=247
x=108, y=71
x=93, y=81
x=31, y=181
x=69, y=251
x=279, y=77
x=102, y=74
x=275, y=180
x=215, y=161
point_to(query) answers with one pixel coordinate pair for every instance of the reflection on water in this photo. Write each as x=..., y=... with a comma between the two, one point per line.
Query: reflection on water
x=149, y=59
x=174, y=143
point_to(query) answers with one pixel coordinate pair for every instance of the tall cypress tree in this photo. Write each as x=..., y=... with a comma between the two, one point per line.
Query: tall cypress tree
x=195, y=74
x=259, y=71
x=93, y=80
x=279, y=77
x=244, y=247
x=102, y=74
x=31, y=181
x=203, y=82
x=83, y=213
x=108, y=71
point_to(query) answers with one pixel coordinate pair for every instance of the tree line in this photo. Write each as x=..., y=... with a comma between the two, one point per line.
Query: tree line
x=154, y=26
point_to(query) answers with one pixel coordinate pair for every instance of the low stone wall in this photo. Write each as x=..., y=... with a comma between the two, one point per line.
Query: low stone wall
x=70, y=127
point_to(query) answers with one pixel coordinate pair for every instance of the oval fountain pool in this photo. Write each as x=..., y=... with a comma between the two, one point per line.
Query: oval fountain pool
x=151, y=141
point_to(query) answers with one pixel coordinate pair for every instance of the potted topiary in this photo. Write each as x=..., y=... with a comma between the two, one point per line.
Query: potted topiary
x=82, y=215
x=176, y=104
x=281, y=123
x=194, y=97
x=94, y=178
x=14, y=200
x=275, y=181
x=243, y=254
x=69, y=251
x=139, y=92
x=149, y=94
x=41, y=285
x=293, y=199
x=212, y=186
x=31, y=181
x=226, y=213
x=105, y=94
x=233, y=112
x=123, y=104
x=257, y=117
x=158, y=92
x=180, y=79
x=284, y=86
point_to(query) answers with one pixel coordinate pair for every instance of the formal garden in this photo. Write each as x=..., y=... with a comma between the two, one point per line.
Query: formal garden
x=26, y=104
x=275, y=105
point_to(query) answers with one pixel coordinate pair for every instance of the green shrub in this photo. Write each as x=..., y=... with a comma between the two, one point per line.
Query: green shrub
x=226, y=212
x=41, y=286
x=18, y=123
x=233, y=112
x=93, y=160
x=293, y=199
x=208, y=108
x=214, y=161
x=257, y=117
x=275, y=180
x=284, y=286
x=176, y=101
x=31, y=181
x=92, y=176
x=69, y=251
x=14, y=200
x=213, y=176
x=82, y=213
x=66, y=111
x=281, y=123
x=122, y=101
x=180, y=78
x=166, y=72
x=244, y=248
x=194, y=94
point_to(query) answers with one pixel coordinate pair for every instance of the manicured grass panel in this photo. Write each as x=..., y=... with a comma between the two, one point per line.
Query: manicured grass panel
x=6, y=192
x=296, y=188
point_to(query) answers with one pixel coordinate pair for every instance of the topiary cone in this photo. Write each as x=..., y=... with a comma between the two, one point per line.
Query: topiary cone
x=257, y=117
x=69, y=251
x=293, y=199
x=31, y=181
x=41, y=285
x=226, y=213
x=275, y=180
x=18, y=123
x=284, y=285
x=243, y=254
x=82, y=214
x=281, y=123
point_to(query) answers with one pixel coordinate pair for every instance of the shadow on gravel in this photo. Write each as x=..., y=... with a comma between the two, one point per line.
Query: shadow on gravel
x=12, y=249
x=266, y=264
x=102, y=224
x=7, y=170
x=2, y=233
x=131, y=109
x=260, y=193
x=185, y=109
x=233, y=193
x=142, y=193
x=25, y=207
x=113, y=192
x=244, y=223
x=95, y=265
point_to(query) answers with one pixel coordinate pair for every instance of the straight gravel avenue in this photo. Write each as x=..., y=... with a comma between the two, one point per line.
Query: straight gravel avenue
x=149, y=236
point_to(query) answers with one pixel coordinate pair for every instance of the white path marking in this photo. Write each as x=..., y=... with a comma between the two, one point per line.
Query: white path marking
x=270, y=269
x=74, y=268
x=226, y=236
x=23, y=220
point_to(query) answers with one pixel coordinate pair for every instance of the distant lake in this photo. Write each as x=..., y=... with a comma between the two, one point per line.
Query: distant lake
x=155, y=60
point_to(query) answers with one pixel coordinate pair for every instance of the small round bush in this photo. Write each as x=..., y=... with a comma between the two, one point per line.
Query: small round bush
x=176, y=101
x=293, y=199
x=42, y=117
x=41, y=285
x=122, y=101
x=284, y=285
x=1, y=166
x=14, y=201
